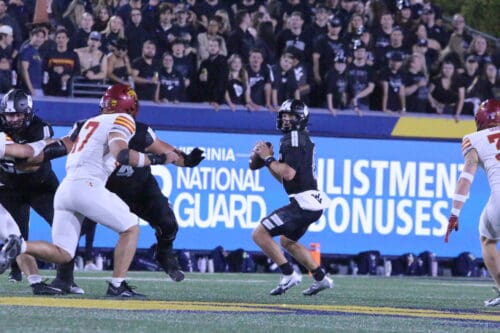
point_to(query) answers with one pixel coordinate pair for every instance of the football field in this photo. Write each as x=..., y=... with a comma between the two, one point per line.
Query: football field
x=232, y=302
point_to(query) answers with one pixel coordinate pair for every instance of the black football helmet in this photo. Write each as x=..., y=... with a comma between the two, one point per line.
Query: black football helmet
x=16, y=101
x=296, y=108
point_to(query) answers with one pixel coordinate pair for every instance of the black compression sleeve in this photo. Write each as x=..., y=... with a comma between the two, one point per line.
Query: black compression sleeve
x=54, y=150
x=123, y=157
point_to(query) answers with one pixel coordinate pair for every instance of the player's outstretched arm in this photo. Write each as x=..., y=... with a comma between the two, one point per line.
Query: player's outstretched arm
x=161, y=147
x=462, y=189
x=21, y=150
x=118, y=146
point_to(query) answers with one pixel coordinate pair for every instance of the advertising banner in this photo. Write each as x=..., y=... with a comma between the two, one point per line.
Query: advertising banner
x=386, y=194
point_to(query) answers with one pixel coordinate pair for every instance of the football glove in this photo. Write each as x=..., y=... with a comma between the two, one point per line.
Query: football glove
x=452, y=224
x=157, y=158
x=193, y=158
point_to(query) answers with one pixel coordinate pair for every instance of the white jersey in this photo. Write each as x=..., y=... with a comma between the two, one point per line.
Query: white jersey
x=5, y=139
x=487, y=144
x=90, y=156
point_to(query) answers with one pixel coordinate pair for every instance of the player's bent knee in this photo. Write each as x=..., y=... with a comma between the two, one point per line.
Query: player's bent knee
x=64, y=256
x=287, y=242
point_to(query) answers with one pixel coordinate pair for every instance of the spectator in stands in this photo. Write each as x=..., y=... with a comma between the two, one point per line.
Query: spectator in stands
x=150, y=14
x=294, y=35
x=184, y=61
x=447, y=92
x=416, y=81
x=471, y=78
x=250, y=6
x=165, y=32
x=237, y=87
x=421, y=33
x=360, y=78
x=355, y=28
x=114, y=30
x=205, y=9
x=172, y=87
x=289, y=7
x=393, y=89
x=125, y=11
x=431, y=56
x=479, y=48
x=396, y=45
x=491, y=83
x=266, y=41
x=31, y=63
x=326, y=48
x=302, y=73
x=80, y=38
x=259, y=79
x=403, y=17
x=185, y=29
x=458, y=23
x=226, y=23
x=336, y=85
x=434, y=30
x=213, y=29
x=6, y=19
x=72, y=17
x=212, y=76
x=101, y=18
x=111, y=4
x=382, y=34
x=284, y=85
x=319, y=26
x=118, y=65
x=91, y=58
x=145, y=71
x=241, y=41
x=7, y=55
x=61, y=65
x=22, y=11
x=136, y=34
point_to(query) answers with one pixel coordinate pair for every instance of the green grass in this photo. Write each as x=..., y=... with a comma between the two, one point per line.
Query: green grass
x=240, y=303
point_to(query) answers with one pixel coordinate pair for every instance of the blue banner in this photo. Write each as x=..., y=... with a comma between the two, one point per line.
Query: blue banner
x=387, y=195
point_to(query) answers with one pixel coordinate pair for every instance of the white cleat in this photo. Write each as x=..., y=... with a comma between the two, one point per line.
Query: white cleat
x=495, y=300
x=318, y=286
x=286, y=282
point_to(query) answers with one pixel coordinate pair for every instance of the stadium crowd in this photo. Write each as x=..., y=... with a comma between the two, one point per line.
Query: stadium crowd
x=389, y=55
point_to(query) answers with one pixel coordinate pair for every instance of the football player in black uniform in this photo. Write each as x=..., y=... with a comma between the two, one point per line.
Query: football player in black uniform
x=295, y=169
x=139, y=188
x=24, y=186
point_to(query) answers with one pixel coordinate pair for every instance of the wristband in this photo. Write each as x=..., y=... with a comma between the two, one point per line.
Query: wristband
x=140, y=162
x=268, y=160
x=37, y=146
x=459, y=197
x=455, y=211
x=466, y=175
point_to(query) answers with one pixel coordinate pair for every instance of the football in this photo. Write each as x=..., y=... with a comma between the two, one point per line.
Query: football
x=255, y=162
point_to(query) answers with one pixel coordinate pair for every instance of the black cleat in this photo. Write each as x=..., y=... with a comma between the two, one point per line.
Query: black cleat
x=171, y=266
x=10, y=250
x=15, y=275
x=123, y=291
x=41, y=288
x=67, y=288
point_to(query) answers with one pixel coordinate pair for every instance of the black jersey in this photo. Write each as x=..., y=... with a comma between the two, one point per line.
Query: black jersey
x=10, y=175
x=297, y=150
x=125, y=177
